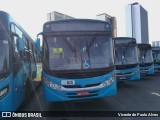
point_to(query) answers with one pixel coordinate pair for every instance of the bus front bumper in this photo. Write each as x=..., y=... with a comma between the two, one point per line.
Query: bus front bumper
x=59, y=95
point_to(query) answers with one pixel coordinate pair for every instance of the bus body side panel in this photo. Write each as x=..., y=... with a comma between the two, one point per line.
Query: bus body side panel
x=136, y=76
x=14, y=98
x=147, y=70
x=19, y=93
x=128, y=74
x=66, y=94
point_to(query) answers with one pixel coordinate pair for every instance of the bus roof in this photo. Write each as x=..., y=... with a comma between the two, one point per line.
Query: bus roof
x=124, y=40
x=144, y=46
x=72, y=25
x=69, y=20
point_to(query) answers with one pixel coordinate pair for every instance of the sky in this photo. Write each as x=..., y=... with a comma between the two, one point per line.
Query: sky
x=32, y=14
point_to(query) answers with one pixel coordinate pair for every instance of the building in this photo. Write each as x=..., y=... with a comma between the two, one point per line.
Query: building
x=53, y=16
x=110, y=19
x=137, y=23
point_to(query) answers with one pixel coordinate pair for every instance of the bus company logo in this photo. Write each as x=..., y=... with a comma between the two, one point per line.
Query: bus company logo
x=6, y=114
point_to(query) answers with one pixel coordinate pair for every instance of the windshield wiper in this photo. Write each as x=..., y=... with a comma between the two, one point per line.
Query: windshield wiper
x=90, y=44
x=144, y=56
x=117, y=54
x=73, y=49
x=92, y=41
x=124, y=55
x=69, y=45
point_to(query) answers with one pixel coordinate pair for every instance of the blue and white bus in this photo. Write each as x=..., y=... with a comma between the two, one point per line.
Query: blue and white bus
x=156, y=58
x=126, y=59
x=145, y=59
x=17, y=64
x=77, y=59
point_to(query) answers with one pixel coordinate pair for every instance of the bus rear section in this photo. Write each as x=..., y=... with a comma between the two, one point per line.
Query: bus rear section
x=156, y=58
x=17, y=64
x=145, y=59
x=126, y=59
x=77, y=60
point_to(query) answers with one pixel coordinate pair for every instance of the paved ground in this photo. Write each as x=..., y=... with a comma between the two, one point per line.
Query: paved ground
x=142, y=95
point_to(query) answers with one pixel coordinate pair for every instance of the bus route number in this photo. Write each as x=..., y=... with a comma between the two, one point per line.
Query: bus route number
x=68, y=82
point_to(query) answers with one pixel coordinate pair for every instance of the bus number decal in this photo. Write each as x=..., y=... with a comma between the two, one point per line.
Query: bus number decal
x=67, y=82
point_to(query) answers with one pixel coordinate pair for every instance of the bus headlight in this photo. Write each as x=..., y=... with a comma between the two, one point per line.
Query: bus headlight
x=108, y=82
x=52, y=85
x=4, y=91
x=135, y=72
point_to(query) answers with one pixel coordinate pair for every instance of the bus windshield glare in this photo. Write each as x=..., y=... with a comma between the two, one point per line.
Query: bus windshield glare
x=125, y=55
x=145, y=56
x=4, y=52
x=78, y=52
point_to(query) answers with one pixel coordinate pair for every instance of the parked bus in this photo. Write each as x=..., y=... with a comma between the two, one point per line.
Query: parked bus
x=156, y=58
x=17, y=64
x=145, y=59
x=78, y=61
x=126, y=59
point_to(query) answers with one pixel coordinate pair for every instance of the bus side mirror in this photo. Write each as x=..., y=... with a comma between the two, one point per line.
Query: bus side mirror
x=20, y=44
x=37, y=44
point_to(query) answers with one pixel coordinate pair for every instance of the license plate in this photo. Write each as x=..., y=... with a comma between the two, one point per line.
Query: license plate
x=82, y=93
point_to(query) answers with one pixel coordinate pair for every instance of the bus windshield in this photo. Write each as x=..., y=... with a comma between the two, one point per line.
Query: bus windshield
x=79, y=52
x=145, y=56
x=156, y=56
x=4, y=52
x=125, y=55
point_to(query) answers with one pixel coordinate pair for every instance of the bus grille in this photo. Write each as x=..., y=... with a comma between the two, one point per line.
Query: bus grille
x=78, y=86
x=123, y=67
x=145, y=64
x=124, y=73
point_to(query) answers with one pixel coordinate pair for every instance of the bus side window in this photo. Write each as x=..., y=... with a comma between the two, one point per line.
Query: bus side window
x=26, y=52
x=30, y=51
x=15, y=50
x=16, y=53
x=33, y=51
